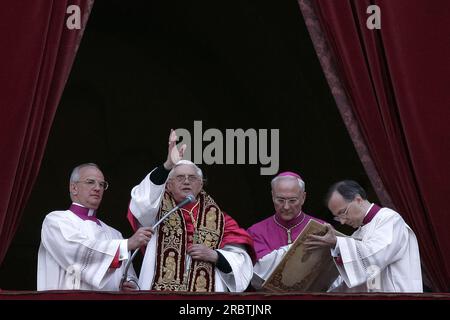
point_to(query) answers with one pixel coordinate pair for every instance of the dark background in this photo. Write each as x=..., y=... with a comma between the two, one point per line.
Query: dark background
x=144, y=67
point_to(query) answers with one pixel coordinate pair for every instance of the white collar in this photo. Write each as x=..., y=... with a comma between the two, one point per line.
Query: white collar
x=368, y=209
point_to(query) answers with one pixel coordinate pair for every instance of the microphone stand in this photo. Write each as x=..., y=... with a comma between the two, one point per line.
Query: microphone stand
x=190, y=198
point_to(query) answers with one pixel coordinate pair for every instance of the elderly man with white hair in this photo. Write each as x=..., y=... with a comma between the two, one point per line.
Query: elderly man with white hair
x=78, y=251
x=274, y=235
x=198, y=248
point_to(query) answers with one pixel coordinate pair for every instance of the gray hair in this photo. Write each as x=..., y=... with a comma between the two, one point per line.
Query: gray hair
x=198, y=171
x=301, y=183
x=348, y=189
x=75, y=175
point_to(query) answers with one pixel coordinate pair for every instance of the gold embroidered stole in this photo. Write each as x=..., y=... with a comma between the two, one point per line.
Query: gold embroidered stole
x=170, y=272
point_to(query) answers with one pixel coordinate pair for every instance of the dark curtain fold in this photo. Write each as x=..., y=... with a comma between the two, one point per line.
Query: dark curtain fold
x=37, y=52
x=390, y=86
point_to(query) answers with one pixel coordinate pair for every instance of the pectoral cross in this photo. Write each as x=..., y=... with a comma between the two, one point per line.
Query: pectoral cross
x=289, y=236
x=288, y=230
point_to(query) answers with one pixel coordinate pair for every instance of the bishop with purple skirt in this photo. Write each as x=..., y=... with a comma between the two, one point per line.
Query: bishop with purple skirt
x=274, y=235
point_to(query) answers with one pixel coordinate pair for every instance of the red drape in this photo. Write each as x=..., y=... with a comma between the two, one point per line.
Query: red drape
x=391, y=86
x=37, y=52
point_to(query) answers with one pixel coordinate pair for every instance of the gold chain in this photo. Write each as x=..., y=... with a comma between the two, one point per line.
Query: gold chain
x=194, y=222
x=288, y=230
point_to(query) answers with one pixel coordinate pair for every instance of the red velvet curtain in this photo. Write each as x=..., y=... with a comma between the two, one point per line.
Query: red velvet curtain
x=391, y=87
x=37, y=52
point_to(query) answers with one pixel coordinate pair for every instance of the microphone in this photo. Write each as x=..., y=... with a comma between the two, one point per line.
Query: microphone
x=189, y=198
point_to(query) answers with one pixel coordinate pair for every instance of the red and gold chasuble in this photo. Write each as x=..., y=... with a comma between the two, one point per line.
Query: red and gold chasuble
x=175, y=234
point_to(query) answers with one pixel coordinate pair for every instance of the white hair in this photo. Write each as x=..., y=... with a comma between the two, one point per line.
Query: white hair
x=198, y=171
x=301, y=183
x=75, y=175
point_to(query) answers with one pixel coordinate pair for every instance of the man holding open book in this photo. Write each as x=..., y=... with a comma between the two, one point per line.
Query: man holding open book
x=382, y=255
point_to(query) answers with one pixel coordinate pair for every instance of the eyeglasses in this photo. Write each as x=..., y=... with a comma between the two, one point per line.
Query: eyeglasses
x=92, y=183
x=282, y=201
x=342, y=214
x=182, y=177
